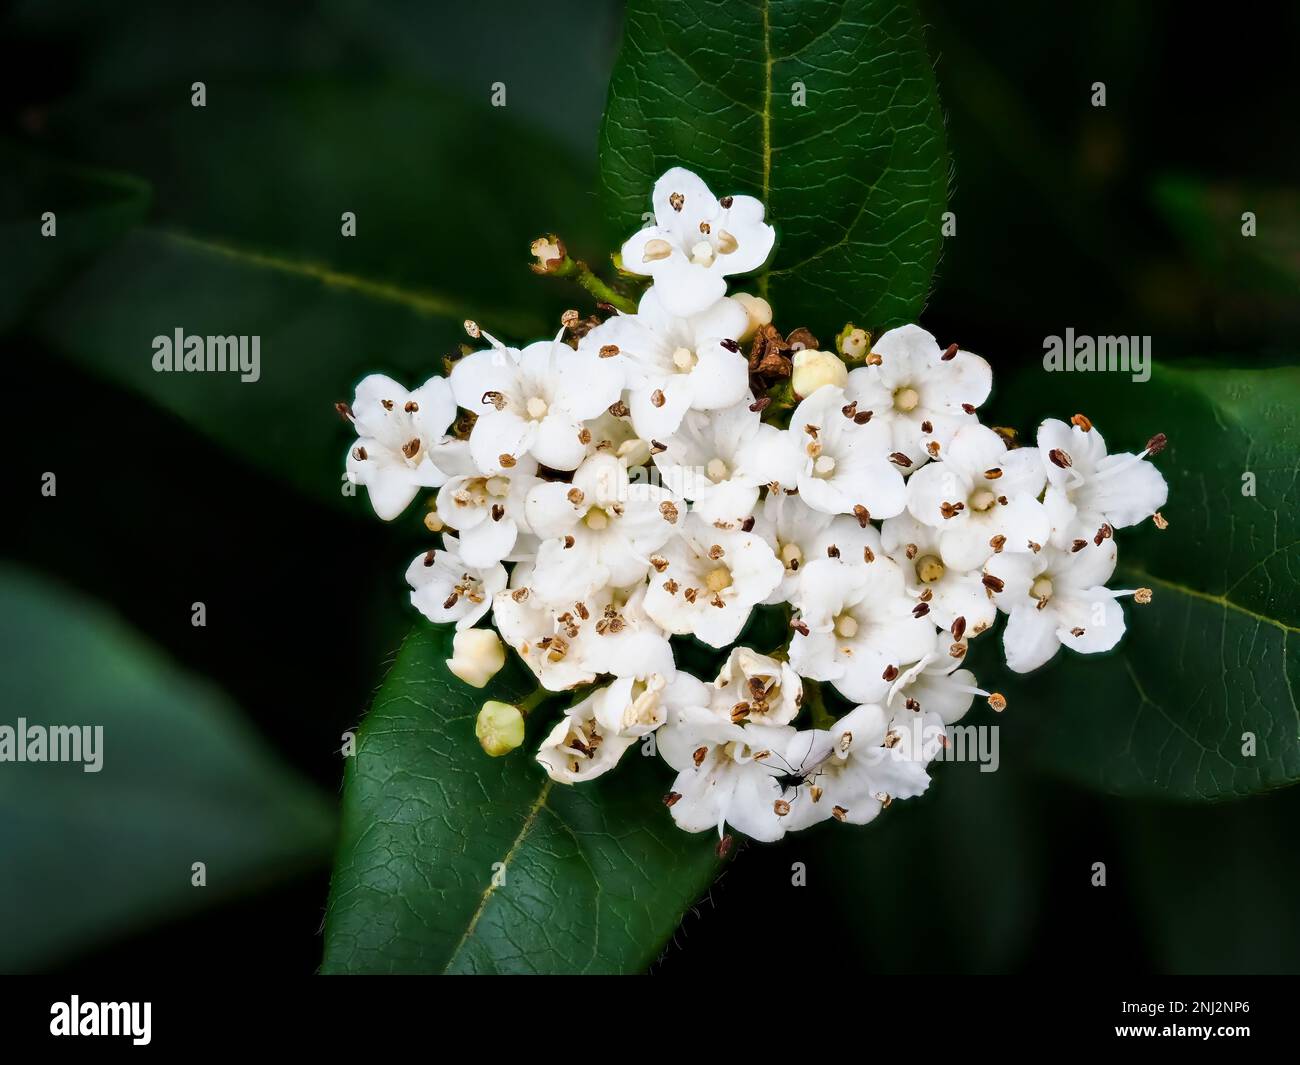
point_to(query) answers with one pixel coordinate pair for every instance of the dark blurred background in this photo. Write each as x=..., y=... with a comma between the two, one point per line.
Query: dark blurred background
x=1101, y=219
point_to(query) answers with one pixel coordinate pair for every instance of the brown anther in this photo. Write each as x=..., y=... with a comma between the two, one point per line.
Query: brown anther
x=927, y=427
x=993, y=474
x=575, y=496
x=582, y=610
x=998, y=543
x=671, y=586
x=873, y=359
x=724, y=846
x=839, y=813
x=619, y=409
x=668, y=509
x=998, y=702
x=1142, y=596
x=862, y=417
x=411, y=407
x=868, y=555
x=508, y=462
x=969, y=408
x=1083, y=422
x=893, y=739
x=1034, y=547
x=899, y=459
x=656, y=448
x=920, y=610
x=799, y=627
x=957, y=650
x=519, y=595
x=428, y=557
x=1157, y=444
x=360, y=454
x=951, y=510
x=890, y=674
x=387, y=404
x=608, y=351
x=748, y=524
x=715, y=552
x=726, y=202
x=761, y=404
x=657, y=397
x=496, y=399
x=832, y=551
x=1060, y=458
x=910, y=551
x=569, y=541
x=1076, y=631
x=992, y=583
x=690, y=595
x=570, y=318
x=862, y=514
x=705, y=228
x=781, y=807
x=498, y=512
x=450, y=601
x=730, y=345
x=659, y=562
x=950, y=353
x=1161, y=522
x=926, y=595
x=932, y=448
x=676, y=200
x=411, y=448
x=959, y=628
x=699, y=755
x=345, y=412
x=1104, y=533
x=672, y=798
x=1077, y=546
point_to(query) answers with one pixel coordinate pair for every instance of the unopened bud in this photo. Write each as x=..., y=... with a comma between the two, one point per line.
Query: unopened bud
x=432, y=522
x=499, y=728
x=812, y=369
x=853, y=343
x=759, y=311
x=476, y=656
x=549, y=253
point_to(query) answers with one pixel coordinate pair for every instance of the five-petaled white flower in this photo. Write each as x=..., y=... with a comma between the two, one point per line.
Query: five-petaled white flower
x=1056, y=599
x=488, y=511
x=719, y=461
x=600, y=530
x=845, y=465
x=726, y=773
x=707, y=580
x=675, y=364
x=982, y=497
x=1088, y=490
x=753, y=687
x=957, y=597
x=534, y=401
x=924, y=393
x=444, y=587
x=858, y=627
x=793, y=531
x=696, y=241
x=579, y=747
x=851, y=770
x=403, y=444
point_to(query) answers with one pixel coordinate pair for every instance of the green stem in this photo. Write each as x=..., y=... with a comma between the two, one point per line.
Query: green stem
x=534, y=699
x=577, y=270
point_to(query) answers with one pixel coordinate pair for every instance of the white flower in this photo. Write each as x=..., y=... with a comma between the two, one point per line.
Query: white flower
x=813, y=369
x=954, y=593
x=936, y=689
x=982, y=498
x=848, y=773
x=844, y=464
x=600, y=530
x=446, y=588
x=635, y=706
x=476, y=656
x=720, y=460
x=675, y=364
x=569, y=644
x=612, y=434
x=488, y=511
x=922, y=392
x=1056, y=598
x=534, y=401
x=403, y=444
x=726, y=774
x=579, y=747
x=754, y=688
x=1088, y=489
x=696, y=241
x=707, y=580
x=858, y=627
x=792, y=530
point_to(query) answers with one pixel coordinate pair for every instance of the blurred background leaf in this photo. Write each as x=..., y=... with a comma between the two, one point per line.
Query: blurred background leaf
x=90, y=856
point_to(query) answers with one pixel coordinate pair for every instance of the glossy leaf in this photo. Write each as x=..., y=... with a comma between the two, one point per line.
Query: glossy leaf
x=1198, y=701
x=451, y=861
x=825, y=111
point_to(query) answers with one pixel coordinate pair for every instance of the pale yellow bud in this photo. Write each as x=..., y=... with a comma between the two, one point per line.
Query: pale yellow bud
x=499, y=728
x=759, y=311
x=812, y=369
x=476, y=656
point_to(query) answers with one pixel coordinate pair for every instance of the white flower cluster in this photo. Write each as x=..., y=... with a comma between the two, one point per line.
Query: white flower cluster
x=635, y=488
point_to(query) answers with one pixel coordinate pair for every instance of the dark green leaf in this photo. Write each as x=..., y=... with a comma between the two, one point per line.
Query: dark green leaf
x=590, y=879
x=91, y=209
x=1215, y=658
x=855, y=181
x=181, y=780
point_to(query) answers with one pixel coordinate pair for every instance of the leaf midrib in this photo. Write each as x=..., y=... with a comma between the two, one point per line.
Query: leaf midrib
x=1219, y=600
